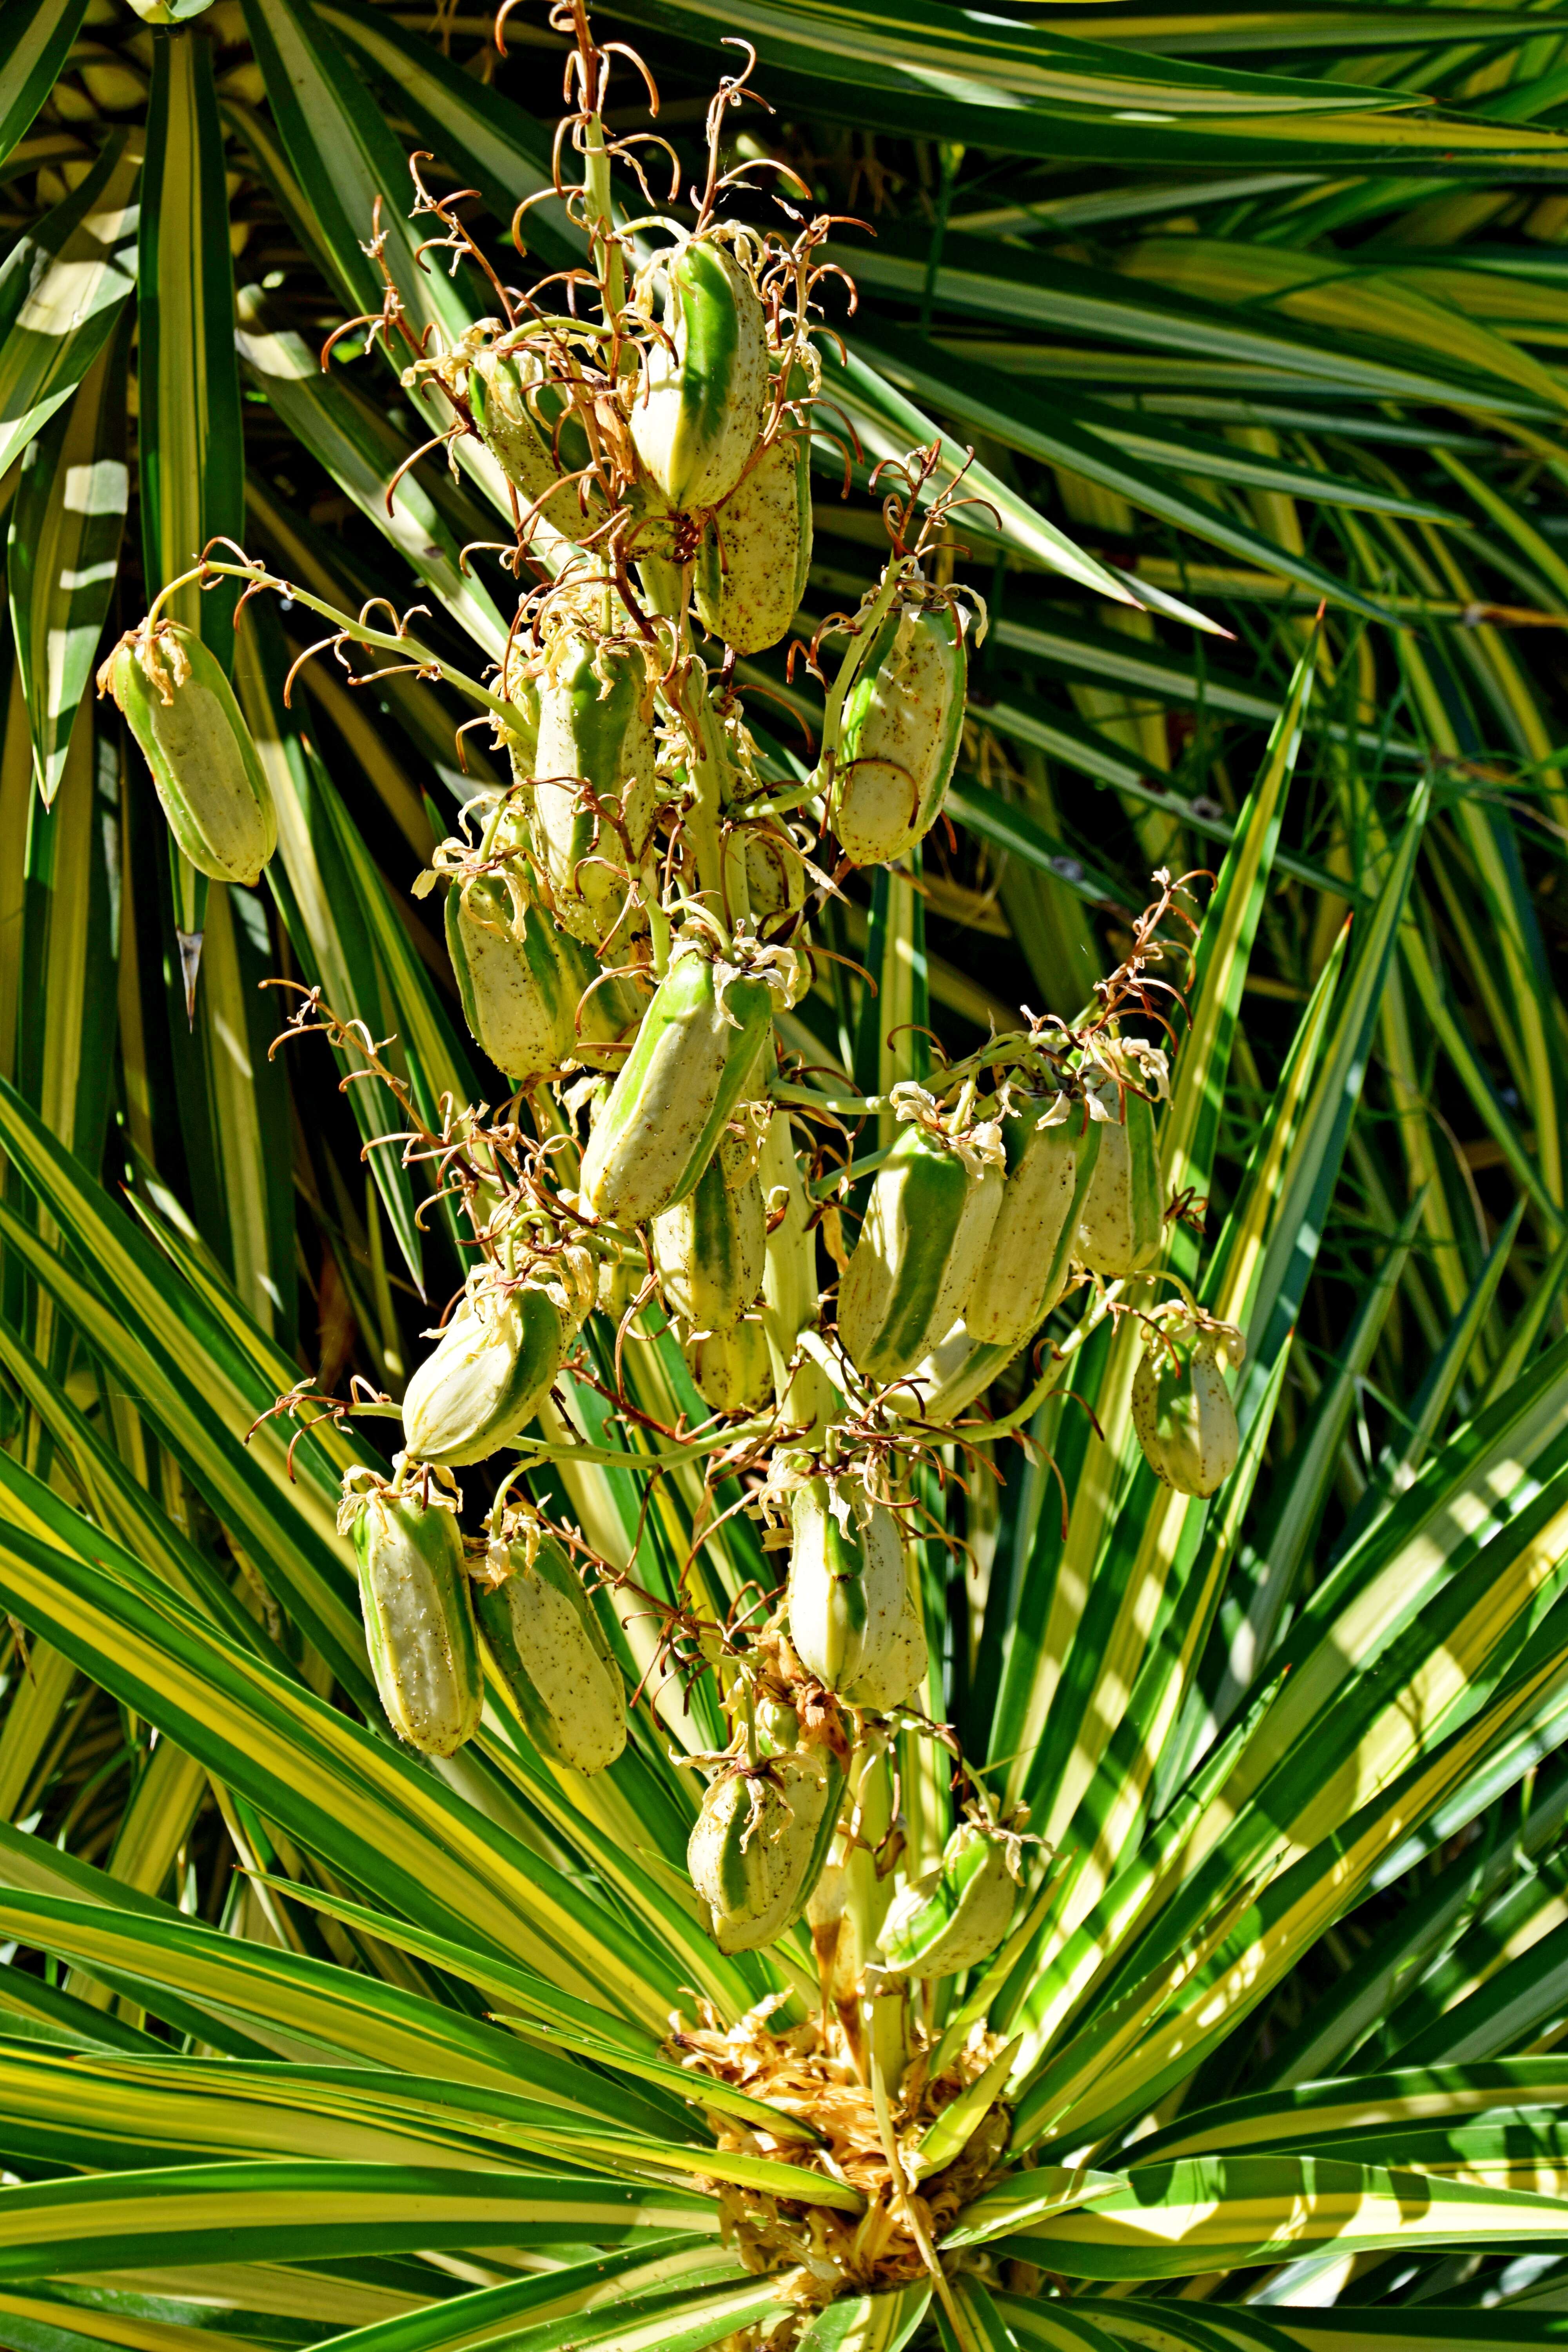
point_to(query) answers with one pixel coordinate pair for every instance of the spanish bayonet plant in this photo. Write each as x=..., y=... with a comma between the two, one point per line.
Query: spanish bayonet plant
x=815, y=1831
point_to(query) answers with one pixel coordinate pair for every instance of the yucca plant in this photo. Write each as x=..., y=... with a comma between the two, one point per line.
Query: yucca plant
x=941, y=1721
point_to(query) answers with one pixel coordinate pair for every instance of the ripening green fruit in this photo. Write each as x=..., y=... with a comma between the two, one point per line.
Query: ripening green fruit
x=418, y=1617
x=760, y=1841
x=1121, y=1222
x=756, y=552
x=700, y=403
x=527, y=422
x=707, y=1249
x=773, y=1727
x=852, y=1618
x=208, y=774
x=697, y=1057
x=806, y=1398
x=1029, y=1256
x=775, y=879
x=1182, y=1410
x=732, y=1371
x=525, y=983
x=851, y=1898
x=595, y=746
x=933, y=1203
x=520, y=732
x=948, y=1378
x=552, y=1654
x=904, y=721
x=956, y=1914
x=487, y=1377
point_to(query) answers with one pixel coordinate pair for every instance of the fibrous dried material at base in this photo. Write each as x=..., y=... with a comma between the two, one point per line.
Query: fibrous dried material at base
x=831, y=2252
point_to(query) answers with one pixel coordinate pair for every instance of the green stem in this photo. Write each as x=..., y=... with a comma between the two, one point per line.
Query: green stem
x=1042, y=1388
x=708, y=766
x=842, y=1106
x=408, y=649
x=539, y=1449
x=596, y=182
x=659, y=923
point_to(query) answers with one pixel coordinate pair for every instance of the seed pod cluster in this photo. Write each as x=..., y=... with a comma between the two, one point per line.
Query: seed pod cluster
x=695, y=1252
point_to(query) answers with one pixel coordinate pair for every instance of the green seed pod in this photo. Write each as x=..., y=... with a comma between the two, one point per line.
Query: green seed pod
x=699, y=408
x=946, y=1381
x=488, y=1375
x=595, y=732
x=852, y=1618
x=775, y=875
x=524, y=980
x=955, y=1914
x=760, y=1841
x=526, y=421
x=551, y=1653
x=903, y=720
x=696, y=1059
x=1122, y=1222
x=1029, y=1257
x=708, y=1250
x=806, y=1399
x=933, y=1203
x=850, y=1899
x=620, y=1279
x=731, y=1369
x=520, y=733
x=418, y=1618
x=774, y=1728
x=756, y=552
x=208, y=774
x=1181, y=1409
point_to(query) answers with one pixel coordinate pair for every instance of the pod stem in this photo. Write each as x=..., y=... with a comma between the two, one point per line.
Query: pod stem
x=659, y=923
x=417, y=657
x=882, y=2106
x=541, y=1449
x=1024, y=1413
x=841, y=1105
x=601, y=226
x=702, y=818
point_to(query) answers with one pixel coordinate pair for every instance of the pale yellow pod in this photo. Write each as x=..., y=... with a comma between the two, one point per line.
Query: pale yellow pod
x=539, y=1627
x=596, y=745
x=755, y=555
x=708, y=1250
x=1121, y=1220
x=760, y=1841
x=1027, y=1261
x=1184, y=1416
x=955, y=1914
x=700, y=404
x=731, y=1369
x=852, y=1618
x=486, y=1378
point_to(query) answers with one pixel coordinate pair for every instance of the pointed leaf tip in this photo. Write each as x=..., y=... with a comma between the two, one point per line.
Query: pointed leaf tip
x=190, y=968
